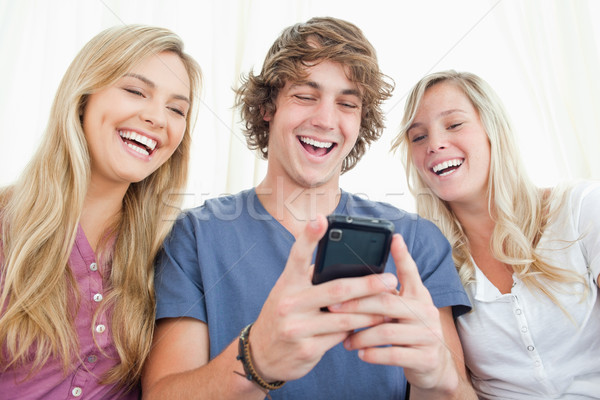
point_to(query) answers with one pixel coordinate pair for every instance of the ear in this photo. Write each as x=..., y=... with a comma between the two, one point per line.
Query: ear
x=267, y=116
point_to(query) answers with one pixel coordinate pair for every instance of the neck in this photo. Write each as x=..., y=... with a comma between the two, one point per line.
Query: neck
x=479, y=227
x=477, y=223
x=294, y=205
x=101, y=208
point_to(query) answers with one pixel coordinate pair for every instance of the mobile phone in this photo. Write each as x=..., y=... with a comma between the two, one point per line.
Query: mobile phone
x=351, y=247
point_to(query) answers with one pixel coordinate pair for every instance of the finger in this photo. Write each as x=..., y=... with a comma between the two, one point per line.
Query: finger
x=328, y=324
x=344, y=289
x=389, y=305
x=300, y=258
x=410, y=358
x=391, y=333
x=407, y=271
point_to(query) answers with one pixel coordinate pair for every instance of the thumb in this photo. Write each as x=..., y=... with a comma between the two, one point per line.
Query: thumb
x=407, y=271
x=300, y=258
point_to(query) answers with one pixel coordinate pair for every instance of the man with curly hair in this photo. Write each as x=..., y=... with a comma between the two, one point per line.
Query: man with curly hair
x=243, y=262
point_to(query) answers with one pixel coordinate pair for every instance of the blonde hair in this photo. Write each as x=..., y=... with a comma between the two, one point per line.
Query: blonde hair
x=520, y=210
x=40, y=215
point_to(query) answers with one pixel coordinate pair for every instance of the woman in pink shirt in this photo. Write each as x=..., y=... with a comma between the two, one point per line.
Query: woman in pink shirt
x=81, y=226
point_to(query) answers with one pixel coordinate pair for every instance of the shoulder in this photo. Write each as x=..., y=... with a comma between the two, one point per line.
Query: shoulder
x=360, y=206
x=405, y=221
x=576, y=198
x=221, y=210
x=213, y=216
x=417, y=231
x=583, y=189
x=222, y=206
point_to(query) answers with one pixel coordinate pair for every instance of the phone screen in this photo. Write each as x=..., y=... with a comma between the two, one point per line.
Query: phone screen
x=352, y=247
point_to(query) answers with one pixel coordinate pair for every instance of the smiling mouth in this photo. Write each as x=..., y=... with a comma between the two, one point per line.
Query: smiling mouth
x=139, y=143
x=315, y=147
x=447, y=167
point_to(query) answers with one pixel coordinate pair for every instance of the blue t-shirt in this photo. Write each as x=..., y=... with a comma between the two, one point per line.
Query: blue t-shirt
x=222, y=259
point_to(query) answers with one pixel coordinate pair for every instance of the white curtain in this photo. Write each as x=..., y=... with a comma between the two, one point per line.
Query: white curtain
x=540, y=55
x=557, y=47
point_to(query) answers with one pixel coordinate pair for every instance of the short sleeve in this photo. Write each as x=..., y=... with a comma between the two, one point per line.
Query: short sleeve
x=433, y=255
x=178, y=281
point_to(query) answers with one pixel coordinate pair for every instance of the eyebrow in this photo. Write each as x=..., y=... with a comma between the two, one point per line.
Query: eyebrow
x=317, y=86
x=442, y=114
x=153, y=85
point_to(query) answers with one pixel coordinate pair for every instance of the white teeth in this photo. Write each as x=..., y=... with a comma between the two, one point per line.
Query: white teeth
x=146, y=141
x=312, y=142
x=138, y=149
x=446, y=164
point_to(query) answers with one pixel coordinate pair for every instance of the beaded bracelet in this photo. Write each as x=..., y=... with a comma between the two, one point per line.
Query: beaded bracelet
x=246, y=359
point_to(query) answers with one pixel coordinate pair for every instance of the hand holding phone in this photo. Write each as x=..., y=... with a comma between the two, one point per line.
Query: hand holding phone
x=352, y=246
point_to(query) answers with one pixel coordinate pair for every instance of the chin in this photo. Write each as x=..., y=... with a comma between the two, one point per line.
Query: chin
x=134, y=178
x=313, y=181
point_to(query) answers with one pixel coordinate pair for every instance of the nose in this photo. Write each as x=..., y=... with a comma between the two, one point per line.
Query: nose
x=436, y=142
x=324, y=115
x=154, y=114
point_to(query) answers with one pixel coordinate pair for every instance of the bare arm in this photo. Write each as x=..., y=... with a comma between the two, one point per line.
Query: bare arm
x=178, y=365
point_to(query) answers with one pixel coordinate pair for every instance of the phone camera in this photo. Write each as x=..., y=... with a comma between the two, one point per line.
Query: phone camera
x=349, y=219
x=335, y=235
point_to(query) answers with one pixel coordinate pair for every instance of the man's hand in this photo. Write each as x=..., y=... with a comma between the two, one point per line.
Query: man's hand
x=291, y=334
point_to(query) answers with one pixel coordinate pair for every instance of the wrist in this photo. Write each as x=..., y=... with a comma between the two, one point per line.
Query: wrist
x=442, y=382
x=245, y=357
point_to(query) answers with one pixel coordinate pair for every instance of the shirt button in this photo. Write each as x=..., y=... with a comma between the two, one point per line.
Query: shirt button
x=100, y=328
x=518, y=311
x=530, y=348
x=76, y=391
x=94, y=266
x=92, y=359
x=97, y=297
x=524, y=329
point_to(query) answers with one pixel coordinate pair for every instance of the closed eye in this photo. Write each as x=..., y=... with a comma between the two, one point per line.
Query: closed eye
x=134, y=91
x=177, y=111
x=417, y=138
x=454, y=126
x=349, y=105
x=303, y=98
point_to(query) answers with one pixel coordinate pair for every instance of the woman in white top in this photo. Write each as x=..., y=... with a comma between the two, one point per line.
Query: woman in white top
x=528, y=257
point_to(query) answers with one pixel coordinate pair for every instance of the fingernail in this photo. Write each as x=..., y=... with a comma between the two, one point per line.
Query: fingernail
x=401, y=239
x=389, y=280
x=335, y=307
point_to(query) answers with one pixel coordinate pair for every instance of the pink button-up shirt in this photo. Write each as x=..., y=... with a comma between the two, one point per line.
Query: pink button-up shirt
x=82, y=381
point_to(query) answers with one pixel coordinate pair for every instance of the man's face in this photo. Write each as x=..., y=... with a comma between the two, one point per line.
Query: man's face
x=314, y=127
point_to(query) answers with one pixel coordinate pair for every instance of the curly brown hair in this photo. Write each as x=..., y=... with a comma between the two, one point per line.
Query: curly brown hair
x=303, y=45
